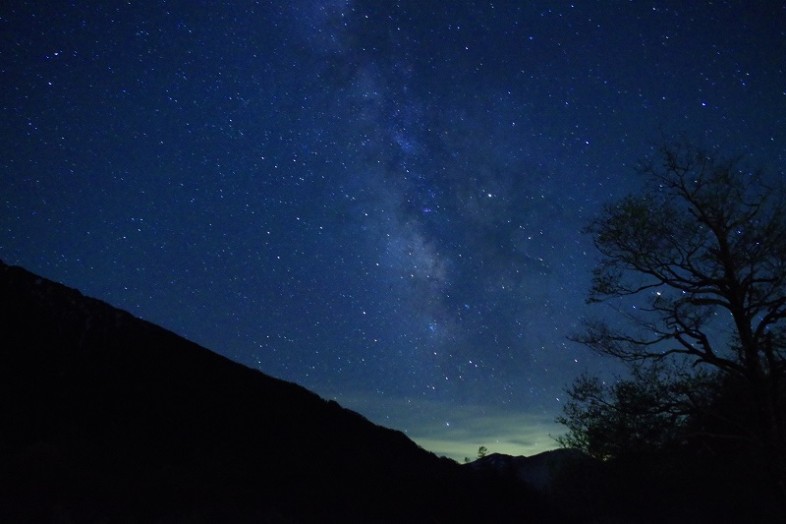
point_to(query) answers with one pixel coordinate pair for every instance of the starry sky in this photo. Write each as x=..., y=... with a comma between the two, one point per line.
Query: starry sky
x=379, y=200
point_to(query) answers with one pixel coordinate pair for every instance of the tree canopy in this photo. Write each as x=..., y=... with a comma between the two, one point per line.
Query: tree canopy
x=695, y=268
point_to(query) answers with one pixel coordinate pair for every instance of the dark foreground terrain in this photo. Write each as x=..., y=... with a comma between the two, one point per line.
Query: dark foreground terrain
x=108, y=418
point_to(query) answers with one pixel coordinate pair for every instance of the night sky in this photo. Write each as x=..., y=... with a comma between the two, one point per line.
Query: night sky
x=381, y=201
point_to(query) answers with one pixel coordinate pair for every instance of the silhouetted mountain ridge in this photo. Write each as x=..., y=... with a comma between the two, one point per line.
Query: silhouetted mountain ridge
x=541, y=471
x=108, y=417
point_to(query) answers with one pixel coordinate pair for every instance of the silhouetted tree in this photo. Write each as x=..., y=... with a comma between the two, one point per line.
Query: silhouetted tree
x=482, y=452
x=641, y=414
x=695, y=266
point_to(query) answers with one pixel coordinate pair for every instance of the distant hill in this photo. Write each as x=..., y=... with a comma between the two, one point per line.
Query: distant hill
x=673, y=485
x=105, y=417
x=542, y=472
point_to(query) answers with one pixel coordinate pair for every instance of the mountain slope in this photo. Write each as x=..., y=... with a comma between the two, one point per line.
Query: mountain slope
x=105, y=416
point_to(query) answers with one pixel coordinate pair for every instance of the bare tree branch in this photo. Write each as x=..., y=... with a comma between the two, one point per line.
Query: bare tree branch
x=696, y=269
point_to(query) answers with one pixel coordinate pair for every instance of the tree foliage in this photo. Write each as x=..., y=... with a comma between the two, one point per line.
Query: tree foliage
x=642, y=414
x=695, y=267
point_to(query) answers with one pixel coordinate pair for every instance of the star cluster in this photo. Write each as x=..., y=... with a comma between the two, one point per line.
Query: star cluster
x=381, y=201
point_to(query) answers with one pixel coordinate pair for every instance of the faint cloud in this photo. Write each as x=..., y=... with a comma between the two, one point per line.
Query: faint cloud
x=457, y=432
x=513, y=434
